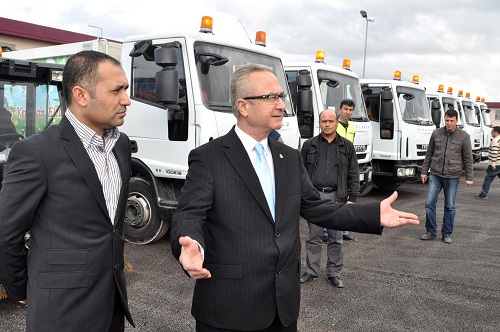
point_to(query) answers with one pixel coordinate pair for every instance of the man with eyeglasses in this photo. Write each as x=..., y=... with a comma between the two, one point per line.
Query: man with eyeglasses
x=236, y=228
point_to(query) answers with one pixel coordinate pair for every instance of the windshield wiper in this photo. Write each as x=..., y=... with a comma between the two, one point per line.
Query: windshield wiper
x=360, y=119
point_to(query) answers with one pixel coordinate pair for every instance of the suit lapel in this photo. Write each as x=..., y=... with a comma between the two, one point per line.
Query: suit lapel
x=125, y=175
x=280, y=177
x=238, y=157
x=74, y=147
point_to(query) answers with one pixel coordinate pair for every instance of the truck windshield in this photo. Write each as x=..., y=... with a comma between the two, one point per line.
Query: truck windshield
x=334, y=87
x=470, y=113
x=217, y=63
x=451, y=103
x=27, y=108
x=413, y=106
x=486, y=116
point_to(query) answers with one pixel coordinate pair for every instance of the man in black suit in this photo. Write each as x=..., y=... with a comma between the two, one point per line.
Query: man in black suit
x=242, y=246
x=68, y=186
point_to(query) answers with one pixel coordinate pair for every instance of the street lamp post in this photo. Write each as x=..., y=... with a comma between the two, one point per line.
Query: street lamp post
x=371, y=19
x=93, y=26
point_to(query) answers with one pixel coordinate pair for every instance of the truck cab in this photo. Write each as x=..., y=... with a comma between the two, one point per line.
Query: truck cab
x=30, y=100
x=483, y=117
x=439, y=102
x=469, y=111
x=179, y=88
x=402, y=126
x=329, y=85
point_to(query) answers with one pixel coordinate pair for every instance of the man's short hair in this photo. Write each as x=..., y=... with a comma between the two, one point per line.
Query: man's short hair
x=497, y=129
x=348, y=102
x=82, y=69
x=240, y=86
x=328, y=109
x=451, y=113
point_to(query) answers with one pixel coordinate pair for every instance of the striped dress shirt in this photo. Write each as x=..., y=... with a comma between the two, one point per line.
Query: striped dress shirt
x=103, y=158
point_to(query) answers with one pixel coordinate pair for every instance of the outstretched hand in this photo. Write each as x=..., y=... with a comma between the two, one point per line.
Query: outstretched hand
x=390, y=217
x=191, y=259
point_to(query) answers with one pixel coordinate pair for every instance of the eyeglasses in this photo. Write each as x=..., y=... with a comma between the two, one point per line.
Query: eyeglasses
x=271, y=98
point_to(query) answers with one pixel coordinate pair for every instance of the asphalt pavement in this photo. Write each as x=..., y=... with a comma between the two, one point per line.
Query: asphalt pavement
x=393, y=282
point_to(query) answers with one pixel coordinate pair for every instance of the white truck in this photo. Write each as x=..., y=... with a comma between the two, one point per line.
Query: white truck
x=471, y=124
x=483, y=117
x=402, y=127
x=179, y=87
x=329, y=85
x=445, y=101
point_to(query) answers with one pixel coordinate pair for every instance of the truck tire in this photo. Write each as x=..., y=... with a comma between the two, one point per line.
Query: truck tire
x=142, y=223
x=365, y=190
x=389, y=186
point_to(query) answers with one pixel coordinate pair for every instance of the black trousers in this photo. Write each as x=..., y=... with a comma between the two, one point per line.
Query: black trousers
x=118, y=320
x=275, y=327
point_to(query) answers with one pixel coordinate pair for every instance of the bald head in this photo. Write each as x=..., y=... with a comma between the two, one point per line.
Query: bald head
x=328, y=122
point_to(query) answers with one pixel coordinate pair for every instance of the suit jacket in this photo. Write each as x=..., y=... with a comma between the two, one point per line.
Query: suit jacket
x=254, y=262
x=75, y=261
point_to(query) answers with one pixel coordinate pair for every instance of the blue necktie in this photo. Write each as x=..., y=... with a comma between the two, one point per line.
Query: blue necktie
x=264, y=174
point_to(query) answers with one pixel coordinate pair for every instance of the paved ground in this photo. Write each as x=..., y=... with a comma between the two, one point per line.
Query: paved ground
x=393, y=282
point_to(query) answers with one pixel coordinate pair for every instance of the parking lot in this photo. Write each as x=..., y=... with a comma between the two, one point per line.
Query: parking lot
x=393, y=282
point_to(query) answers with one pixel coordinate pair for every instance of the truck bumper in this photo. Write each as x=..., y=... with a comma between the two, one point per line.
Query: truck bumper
x=476, y=156
x=365, y=175
x=484, y=154
x=365, y=179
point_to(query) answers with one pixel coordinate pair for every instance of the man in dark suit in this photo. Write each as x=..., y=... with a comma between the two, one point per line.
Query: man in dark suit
x=68, y=186
x=242, y=246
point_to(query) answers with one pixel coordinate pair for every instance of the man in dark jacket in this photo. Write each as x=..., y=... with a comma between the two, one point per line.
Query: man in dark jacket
x=448, y=153
x=239, y=240
x=331, y=163
x=69, y=186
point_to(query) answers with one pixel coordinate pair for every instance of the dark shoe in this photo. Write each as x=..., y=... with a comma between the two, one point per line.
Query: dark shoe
x=325, y=238
x=336, y=282
x=428, y=236
x=349, y=237
x=307, y=277
x=447, y=239
x=481, y=197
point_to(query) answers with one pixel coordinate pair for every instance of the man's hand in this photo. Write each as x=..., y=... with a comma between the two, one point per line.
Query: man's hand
x=25, y=302
x=424, y=178
x=469, y=183
x=191, y=259
x=390, y=217
x=493, y=167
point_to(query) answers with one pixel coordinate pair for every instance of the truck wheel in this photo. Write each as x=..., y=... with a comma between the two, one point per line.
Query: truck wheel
x=142, y=223
x=390, y=186
x=365, y=189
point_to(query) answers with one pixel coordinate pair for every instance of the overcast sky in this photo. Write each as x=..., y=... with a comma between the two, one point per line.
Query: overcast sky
x=450, y=42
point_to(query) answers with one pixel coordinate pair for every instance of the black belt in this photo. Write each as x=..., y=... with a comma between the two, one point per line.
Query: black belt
x=326, y=189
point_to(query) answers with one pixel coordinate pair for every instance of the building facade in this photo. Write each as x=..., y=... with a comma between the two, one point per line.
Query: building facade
x=17, y=35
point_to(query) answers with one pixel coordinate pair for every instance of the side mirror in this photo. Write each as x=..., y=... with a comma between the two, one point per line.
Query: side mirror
x=304, y=104
x=386, y=115
x=436, y=112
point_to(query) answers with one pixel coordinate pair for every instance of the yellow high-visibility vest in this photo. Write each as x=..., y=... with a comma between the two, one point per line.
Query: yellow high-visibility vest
x=347, y=133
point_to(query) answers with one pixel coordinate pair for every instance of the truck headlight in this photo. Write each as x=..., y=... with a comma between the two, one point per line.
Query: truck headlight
x=401, y=172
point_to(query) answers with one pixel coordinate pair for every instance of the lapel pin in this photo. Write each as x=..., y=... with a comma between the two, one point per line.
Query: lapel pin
x=281, y=156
